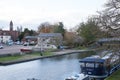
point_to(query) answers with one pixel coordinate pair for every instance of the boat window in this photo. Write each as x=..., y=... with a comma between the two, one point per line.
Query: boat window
x=98, y=65
x=89, y=64
x=82, y=64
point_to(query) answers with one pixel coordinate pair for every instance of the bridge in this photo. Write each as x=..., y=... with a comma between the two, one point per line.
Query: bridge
x=109, y=40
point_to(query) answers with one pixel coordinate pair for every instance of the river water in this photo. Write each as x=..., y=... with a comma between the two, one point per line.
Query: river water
x=55, y=68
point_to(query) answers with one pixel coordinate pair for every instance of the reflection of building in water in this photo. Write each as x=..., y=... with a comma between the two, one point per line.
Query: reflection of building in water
x=11, y=34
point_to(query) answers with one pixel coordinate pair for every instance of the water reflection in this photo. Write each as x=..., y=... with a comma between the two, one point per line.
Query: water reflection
x=56, y=68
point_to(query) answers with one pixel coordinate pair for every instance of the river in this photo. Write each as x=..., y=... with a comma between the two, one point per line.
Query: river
x=55, y=68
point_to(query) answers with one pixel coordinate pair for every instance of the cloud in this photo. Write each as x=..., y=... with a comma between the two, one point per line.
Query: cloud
x=70, y=12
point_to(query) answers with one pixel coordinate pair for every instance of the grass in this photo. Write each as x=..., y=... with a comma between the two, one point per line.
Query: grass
x=48, y=53
x=24, y=56
x=114, y=76
x=9, y=58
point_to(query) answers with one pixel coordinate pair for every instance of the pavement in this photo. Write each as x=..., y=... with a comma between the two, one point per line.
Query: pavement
x=66, y=51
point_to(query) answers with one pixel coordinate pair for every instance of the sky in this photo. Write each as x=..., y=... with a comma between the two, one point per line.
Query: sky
x=31, y=13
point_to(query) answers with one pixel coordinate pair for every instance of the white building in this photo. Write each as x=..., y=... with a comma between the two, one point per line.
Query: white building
x=49, y=40
x=4, y=38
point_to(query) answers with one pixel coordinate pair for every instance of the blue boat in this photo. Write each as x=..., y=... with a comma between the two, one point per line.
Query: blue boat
x=100, y=68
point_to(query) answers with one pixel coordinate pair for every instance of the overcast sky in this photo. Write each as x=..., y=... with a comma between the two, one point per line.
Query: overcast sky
x=31, y=13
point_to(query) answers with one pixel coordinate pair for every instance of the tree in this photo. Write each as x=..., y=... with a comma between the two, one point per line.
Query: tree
x=52, y=28
x=89, y=31
x=59, y=28
x=109, y=18
x=21, y=36
x=26, y=32
x=69, y=38
x=113, y=12
x=72, y=39
x=45, y=28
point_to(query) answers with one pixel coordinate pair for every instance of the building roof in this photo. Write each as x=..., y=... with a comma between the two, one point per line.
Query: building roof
x=31, y=37
x=50, y=35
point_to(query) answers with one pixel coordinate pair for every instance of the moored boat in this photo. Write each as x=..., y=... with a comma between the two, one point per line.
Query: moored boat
x=77, y=77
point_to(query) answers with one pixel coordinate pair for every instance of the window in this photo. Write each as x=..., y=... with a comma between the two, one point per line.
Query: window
x=82, y=64
x=89, y=64
x=98, y=65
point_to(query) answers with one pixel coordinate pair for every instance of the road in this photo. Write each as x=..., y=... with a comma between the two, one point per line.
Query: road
x=12, y=49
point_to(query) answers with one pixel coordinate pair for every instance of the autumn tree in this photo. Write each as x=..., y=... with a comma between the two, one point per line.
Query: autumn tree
x=51, y=28
x=45, y=28
x=69, y=38
x=72, y=39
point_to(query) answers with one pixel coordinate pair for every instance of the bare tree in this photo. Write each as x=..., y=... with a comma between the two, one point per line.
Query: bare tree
x=109, y=18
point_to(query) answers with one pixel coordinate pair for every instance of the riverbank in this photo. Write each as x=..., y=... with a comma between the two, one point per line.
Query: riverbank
x=8, y=60
x=114, y=76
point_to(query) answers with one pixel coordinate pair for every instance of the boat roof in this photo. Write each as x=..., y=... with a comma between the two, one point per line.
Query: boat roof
x=92, y=60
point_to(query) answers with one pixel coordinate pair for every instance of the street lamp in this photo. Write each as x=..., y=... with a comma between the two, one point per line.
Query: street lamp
x=1, y=39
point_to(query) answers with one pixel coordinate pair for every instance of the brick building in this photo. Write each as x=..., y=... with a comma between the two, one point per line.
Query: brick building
x=13, y=34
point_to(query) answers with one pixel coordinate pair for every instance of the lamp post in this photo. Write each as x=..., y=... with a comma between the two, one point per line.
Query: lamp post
x=41, y=47
x=1, y=39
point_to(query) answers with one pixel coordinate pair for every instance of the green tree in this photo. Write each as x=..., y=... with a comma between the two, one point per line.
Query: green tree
x=27, y=32
x=89, y=31
x=21, y=36
x=59, y=28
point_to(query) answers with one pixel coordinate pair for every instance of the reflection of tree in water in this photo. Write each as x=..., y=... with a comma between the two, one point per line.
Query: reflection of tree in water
x=86, y=54
x=72, y=56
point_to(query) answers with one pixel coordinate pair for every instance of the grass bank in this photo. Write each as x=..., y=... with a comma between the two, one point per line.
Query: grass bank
x=24, y=56
x=114, y=76
x=37, y=55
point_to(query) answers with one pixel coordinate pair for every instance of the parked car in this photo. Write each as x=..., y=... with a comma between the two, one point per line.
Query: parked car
x=18, y=43
x=32, y=43
x=26, y=44
x=1, y=46
x=10, y=42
